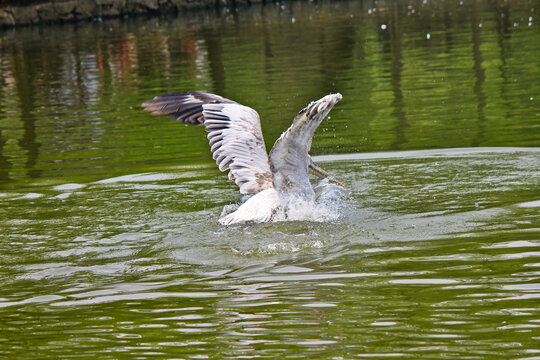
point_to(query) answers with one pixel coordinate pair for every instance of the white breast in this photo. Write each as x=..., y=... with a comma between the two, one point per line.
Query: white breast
x=259, y=208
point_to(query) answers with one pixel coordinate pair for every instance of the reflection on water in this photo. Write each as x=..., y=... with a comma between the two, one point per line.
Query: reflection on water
x=109, y=240
x=413, y=75
x=397, y=103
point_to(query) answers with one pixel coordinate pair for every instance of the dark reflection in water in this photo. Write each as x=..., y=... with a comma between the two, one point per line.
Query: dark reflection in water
x=4, y=163
x=397, y=102
x=336, y=54
x=414, y=75
x=24, y=69
x=212, y=38
x=480, y=73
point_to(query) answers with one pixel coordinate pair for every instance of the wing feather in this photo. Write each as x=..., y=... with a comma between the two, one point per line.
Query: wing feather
x=234, y=134
x=289, y=157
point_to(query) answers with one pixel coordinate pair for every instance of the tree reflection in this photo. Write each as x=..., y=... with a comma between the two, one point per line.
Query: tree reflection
x=397, y=102
x=502, y=18
x=479, y=72
x=4, y=161
x=212, y=39
x=413, y=74
x=24, y=68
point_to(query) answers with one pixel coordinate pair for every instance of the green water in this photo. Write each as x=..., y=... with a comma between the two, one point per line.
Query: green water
x=109, y=242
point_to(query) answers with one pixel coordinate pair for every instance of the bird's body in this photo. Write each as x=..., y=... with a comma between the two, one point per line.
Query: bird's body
x=237, y=144
x=258, y=208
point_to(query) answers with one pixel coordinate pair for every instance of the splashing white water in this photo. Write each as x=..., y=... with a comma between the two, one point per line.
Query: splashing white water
x=326, y=208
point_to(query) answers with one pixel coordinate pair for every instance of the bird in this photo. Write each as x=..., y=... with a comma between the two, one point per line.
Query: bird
x=277, y=180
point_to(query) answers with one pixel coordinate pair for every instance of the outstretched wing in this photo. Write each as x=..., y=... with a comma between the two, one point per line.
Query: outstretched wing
x=234, y=133
x=289, y=158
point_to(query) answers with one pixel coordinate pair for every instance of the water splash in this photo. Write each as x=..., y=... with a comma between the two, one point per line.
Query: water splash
x=326, y=207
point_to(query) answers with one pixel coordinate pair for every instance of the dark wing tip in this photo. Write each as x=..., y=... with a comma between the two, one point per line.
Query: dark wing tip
x=184, y=107
x=207, y=98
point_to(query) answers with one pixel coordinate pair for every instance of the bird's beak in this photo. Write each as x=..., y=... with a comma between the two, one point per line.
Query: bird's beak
x=323, y=174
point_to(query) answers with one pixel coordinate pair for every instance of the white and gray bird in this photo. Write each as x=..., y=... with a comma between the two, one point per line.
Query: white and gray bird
x=237, y=144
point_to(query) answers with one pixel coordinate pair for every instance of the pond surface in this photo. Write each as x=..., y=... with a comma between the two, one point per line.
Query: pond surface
x=109, y=242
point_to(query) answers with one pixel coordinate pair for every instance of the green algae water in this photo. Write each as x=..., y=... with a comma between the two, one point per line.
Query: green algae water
x=109, y=242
